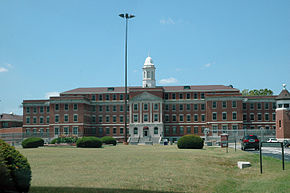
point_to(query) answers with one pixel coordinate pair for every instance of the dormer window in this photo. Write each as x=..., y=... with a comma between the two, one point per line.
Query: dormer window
x=111, y=89
x=186, y=87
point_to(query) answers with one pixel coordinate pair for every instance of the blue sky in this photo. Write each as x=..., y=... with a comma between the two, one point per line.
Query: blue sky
x=58, y=45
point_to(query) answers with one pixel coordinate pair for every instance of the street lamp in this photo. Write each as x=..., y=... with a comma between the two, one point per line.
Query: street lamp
x=126, y=16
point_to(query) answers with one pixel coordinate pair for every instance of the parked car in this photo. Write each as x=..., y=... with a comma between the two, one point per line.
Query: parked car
x=286, y=143
x=250, y=141
x=272, y=140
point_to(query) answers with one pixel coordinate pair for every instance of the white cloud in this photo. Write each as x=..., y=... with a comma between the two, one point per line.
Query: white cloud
x=2, y=69
x=9, y=65
x=167, y=21
x=207, y=65
x=51, y=94
x=168, y=81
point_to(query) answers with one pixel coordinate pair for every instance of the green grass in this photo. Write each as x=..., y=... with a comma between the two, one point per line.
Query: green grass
x=152, y=169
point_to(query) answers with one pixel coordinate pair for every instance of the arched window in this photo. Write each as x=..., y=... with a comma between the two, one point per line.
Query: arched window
x=135, y=131
x=155, y=130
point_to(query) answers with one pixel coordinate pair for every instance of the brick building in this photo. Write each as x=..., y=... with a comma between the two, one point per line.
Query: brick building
x=10, y=120
x=154, y=112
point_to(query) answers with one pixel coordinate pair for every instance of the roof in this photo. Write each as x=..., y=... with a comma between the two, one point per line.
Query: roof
x=10, y=117
x=166, y=88
x=284, y=94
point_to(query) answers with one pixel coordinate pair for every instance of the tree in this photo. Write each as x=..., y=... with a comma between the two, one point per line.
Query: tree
x=255, y=92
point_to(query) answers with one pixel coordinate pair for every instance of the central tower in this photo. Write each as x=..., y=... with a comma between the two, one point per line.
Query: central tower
x=149, y=73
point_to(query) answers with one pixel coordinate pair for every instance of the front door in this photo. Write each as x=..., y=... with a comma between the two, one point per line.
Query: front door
x=145, y=133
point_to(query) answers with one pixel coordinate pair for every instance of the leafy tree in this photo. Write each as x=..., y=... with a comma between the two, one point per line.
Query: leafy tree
x=255, y=92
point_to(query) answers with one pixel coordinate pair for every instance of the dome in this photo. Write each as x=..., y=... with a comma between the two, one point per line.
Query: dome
x=148, y=61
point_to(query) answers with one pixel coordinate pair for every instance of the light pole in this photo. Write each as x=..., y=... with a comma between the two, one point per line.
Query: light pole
x=126, y=16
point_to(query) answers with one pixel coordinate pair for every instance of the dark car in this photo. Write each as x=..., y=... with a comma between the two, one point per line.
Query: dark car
x=250, y=141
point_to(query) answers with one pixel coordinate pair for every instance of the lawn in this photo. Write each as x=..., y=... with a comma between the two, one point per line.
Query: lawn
x=152, y=169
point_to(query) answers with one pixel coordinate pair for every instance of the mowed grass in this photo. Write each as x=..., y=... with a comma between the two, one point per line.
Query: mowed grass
x=155, y=168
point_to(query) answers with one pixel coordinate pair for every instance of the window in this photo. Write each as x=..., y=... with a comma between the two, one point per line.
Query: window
x=266, y=116
x=114, y=98
x=286, y=105
x=135, y=119
x=266, y=106
x=213, y=104
x=107, y=119
x=234, y=104
x=155, y=107
x=47, y=119
x=56, y=131
x=65, y=130
x=166, y=96
x=195, y=130
x=195, y=117
x=280, y=105
x=75, y=107
x=174, y=107
x=188, y=130
x=27, y=120
x=173, y=96
x=251, y=106
x=135, y=131
x=181, y=130
x=155, y=130
x=234, y=115
x=181, y=118
x=187, y=95
x=56, y=118
x=47, y=109
x=167, y=130
x=100, y=108
x=121, y=119
x=188, y=118
x=100, y=119
x=121, y=97
x=259, y=106
x=214, y=116
x=155, y=117
x=41, y=120
x=195, y=107
x=93, y=97
x=41, y=109
x=56, y=107
x=100, y=130
x=47, y=131
x=114, y=129
x=114, y=108
x=174, y=118
x=94, y=131
x=259, y=117
x=34, y=109
x=145, y=107
x=135, y=107
x=274, y=105
x=107, y=97
x=203, y=117
x=107, y=108
x=202, y=95
x=234, y=127
x=195, y=95
x=166, y=107
x=94, y=119
x=166, y=118
x=180, y=96
x=66, y=107
x=121, y=130
x=94, y=108
x=244, y=106
x=202, y=106
x=75, y=118
x=188, y=107
x=174, y=131
x=252, y=117
x=244, y=117
x=121, y=108
x=224, y=129
x=181, y=107
x=145, y=118
x=224, y=116
x=214, y=129
x=108, y=131
x=100, y=97
x=27, y=110
x=273, y=116
x=66, y=118
x=224, y=104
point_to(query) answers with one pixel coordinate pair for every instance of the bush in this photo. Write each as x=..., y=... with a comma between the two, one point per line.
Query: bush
x=32, y=142
x=92, y=142
x=53, y=141
x=109, y=140
x=190, y=142
x=15, y=171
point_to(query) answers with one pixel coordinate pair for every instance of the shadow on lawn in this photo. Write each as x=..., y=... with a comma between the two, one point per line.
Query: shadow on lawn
x=37, y=189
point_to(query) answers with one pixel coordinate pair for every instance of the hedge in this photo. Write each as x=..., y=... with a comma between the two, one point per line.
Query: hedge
x=15, y=171
x=32, y=142
x=91, y=142
x=109, y=140
x=190, y=142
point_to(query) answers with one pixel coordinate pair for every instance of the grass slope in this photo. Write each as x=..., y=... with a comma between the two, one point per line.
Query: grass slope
x=152, y=169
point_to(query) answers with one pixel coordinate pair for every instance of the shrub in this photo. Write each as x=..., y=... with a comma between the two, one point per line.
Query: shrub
x=15, y=171
x=53, y=141
x=190, y=142
x=89, y=142
x=109, y=140
x=32, y=142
